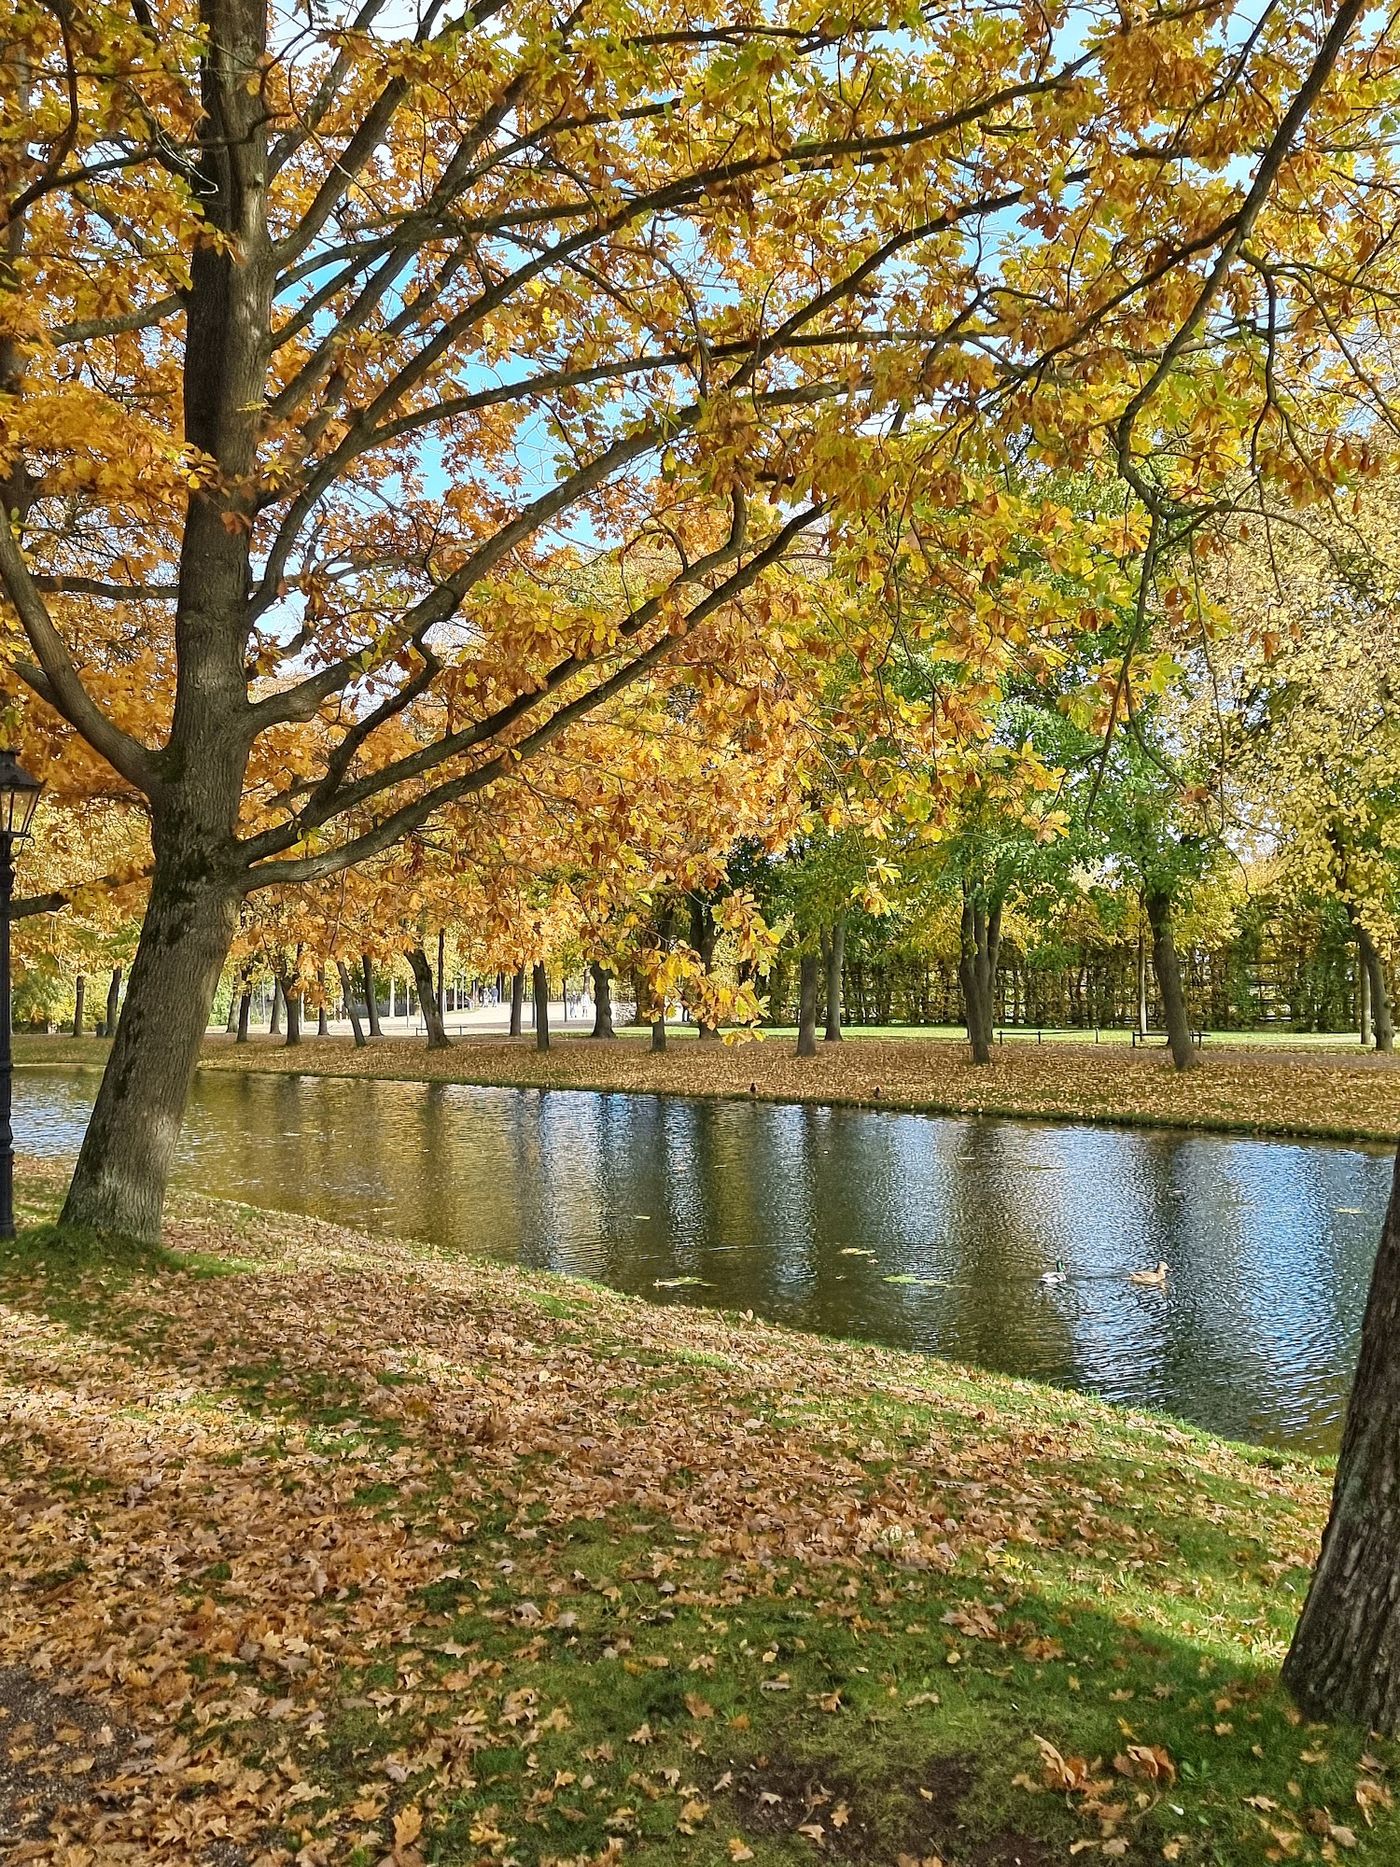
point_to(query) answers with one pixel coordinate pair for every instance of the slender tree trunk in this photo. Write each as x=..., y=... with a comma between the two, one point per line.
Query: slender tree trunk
x=1344, y=1664
x=808, y=985
x=979, y=949
x=835, y=978
x=1363, y=980
x=664, y=930
x=371, y=1001
x=245, y=1011
x=291, y=1004
x=1142, y=980
x=517, y=1002
x=427, y=998
x=79, y=1003
x=602, y=1001
x=539, y=985
x=703, y=933
x=235, y=992
x=322, y=1027
x=119, y=1183
x=1381, y=1021
x=441, y=972
x=274, y=1020
x=1168, y=974
x=356, y=1027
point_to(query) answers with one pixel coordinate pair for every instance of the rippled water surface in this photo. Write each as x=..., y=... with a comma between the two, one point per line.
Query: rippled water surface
x=913, y=1230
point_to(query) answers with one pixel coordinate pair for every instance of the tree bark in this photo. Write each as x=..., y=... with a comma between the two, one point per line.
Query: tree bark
x=1344, y=1664
x=979, y=949
x=235, y=993
x=274, y=1020
x=1363, y=980
x=119, y=1182
x=539, y=985
x=808, y=984
x=79, y=1003
x=245, y=1010
x=1168, y=975
x=517, y=1001
x=602, y=1001
x=371, y=1002
x=835, y=978
x=356, y=1027
x=427, y=998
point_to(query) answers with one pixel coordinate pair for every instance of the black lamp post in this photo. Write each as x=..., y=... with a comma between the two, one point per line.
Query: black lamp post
x=19, y=795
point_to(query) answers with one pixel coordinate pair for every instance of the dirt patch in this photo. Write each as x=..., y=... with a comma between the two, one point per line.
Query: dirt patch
x=59, y=1755
x=912, y=1823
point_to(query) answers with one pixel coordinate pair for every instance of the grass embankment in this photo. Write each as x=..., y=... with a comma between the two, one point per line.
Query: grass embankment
x=327, y=1547
x=1338, y=1096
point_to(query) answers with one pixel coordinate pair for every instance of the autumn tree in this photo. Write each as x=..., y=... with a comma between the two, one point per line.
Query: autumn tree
x=284, y=315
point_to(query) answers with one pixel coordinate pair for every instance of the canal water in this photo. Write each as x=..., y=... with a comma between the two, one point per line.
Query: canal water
x=939, y=1234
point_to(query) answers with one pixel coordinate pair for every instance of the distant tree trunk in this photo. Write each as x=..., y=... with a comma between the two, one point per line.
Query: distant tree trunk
x=321, y=1026
x=371, y=1002
x=835, y=978
x=1363, y=979
x=235, y=992
x=979, y=949
x=808, y=985
x=1381, y=1022
x=703, y=933
x=245, y=1011
x=658, y=1006
x=274, y=1018
x=441, y=971
x=517, y=1001
x=539, y=983
x=427, y=997
x=348, y=992
x=291, y=1000
x=1168, y=975
x=79, y=1003
x=1344, y=1664
x=602, y=1001
x=1142, y=980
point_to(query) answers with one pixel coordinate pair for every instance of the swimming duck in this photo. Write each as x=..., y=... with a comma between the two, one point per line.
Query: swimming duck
x=1057, y=1276
x=1155, y=1280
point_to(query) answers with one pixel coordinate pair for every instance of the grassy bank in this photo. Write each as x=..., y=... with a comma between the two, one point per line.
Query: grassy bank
x=1337, y=1095
x=329, y=1548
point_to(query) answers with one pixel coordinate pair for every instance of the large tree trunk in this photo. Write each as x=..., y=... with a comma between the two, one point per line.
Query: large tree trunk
x=539, y=985
x=1344, y=1664
x=517, y=1001
x=356, y=1027
x=1168, y=974
x=808, y=985
x=979, y=949
x=835, y=978
x=427, y=998
x=371, y=1000
x=119, y=1183
x=79, y=1003
x=602, y=1001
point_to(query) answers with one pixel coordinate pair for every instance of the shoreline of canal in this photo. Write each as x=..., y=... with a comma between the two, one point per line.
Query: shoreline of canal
x=1286, y=1096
